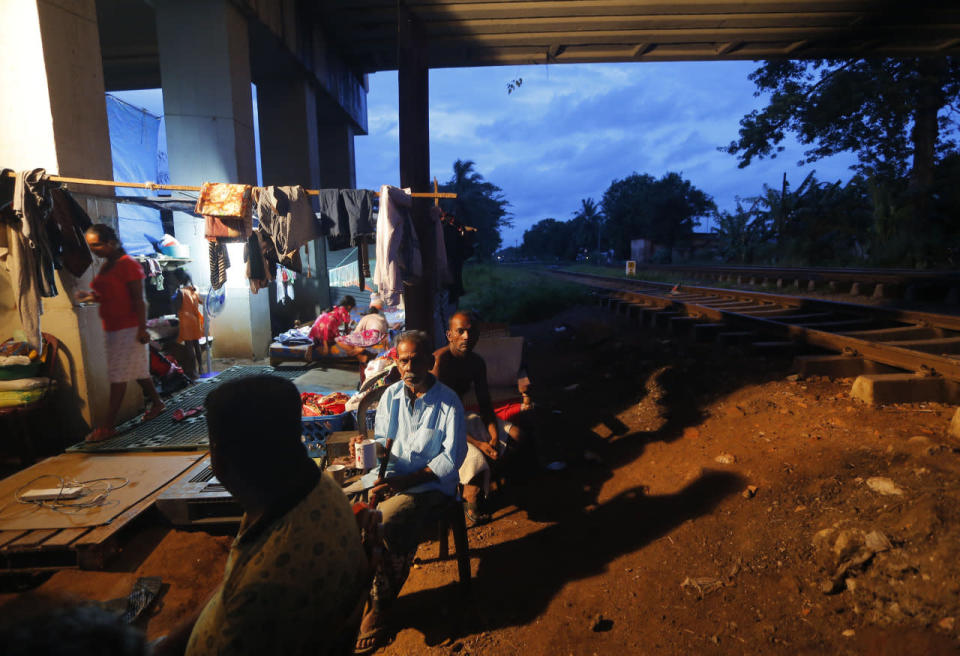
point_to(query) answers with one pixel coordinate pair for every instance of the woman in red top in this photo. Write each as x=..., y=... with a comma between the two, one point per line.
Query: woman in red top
x=118, y=288
x=327, y=326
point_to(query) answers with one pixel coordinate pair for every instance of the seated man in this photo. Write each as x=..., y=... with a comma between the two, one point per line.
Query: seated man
x=458, y=367
x=420, y=425
x=371, y=330
x=296, y=577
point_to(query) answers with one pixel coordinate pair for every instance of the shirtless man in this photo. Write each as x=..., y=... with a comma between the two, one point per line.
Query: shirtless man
x=459, y=368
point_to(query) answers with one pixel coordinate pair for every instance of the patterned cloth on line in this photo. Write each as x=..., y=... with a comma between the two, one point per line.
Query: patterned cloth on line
x=127, y=358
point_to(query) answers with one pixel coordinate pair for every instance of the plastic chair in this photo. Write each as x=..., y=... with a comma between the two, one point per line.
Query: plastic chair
x=19, y=414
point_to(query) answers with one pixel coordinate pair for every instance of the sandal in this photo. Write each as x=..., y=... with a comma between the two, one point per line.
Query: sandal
x=370, y=641
x=473, y=514
x=180, y=414
x=100, y=434
x=154, y=412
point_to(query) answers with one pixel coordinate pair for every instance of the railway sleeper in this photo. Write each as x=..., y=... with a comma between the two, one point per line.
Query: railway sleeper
x=879, y=389
x=897, y=333
x=683, y=325
x=707, y=332
x=736, y=337
x=774, y=348
x=838, y=366
x=940, y=346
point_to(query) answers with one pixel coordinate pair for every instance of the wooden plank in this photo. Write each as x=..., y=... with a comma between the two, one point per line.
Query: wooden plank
x=9, y=536
x=63, y=538
x=31, y=539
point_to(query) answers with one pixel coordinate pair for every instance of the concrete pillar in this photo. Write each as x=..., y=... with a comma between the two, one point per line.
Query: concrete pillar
x=413, y=81
x=290, y=153
x=208, y=106
x=53, y=115
x=338, y=166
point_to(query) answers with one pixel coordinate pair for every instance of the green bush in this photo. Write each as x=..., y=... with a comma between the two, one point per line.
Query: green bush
x=513, y=295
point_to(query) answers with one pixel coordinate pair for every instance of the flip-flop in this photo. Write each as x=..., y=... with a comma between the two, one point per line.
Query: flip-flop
x=371, y=640
x=473, y=514
x=154, y=412
x=100, y=434
x=180, y=415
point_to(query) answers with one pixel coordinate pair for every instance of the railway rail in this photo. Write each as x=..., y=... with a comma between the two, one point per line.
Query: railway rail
x=919, y=342
x=909, y=284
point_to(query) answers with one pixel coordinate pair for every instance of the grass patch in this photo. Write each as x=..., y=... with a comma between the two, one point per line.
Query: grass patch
x=514, y=295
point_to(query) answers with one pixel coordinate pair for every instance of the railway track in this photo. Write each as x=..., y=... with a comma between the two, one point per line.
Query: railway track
x=924, y=344
x=909, y=284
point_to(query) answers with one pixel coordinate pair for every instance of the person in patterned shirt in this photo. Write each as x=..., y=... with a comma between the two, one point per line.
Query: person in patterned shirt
x=297, y=575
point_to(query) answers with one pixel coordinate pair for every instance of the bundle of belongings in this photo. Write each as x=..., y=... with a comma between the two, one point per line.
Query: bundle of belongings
x=319, y=405
x=20, y=363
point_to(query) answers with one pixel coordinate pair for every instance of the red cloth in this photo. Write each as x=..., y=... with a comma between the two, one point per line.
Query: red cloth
x=116, y=307
x=504, y=409
x=508, y=411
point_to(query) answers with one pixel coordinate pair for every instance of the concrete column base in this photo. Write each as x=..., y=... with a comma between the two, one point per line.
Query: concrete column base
x=877, y=389
x=954, y=429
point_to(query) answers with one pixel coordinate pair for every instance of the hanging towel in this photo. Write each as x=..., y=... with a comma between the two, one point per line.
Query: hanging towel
x=227, y=210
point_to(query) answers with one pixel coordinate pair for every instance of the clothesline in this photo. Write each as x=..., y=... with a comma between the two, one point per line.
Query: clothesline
x=436, y=195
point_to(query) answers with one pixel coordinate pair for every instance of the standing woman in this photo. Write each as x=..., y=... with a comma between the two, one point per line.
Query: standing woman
x=189, y=316
x=118, y=288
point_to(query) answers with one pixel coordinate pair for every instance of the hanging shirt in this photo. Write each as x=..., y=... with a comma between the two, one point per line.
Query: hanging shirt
x=287, y=216
x=116, y=306
x=398, y=249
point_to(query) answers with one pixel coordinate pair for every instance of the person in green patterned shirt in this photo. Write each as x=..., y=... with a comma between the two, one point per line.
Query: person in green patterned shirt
x=297, y=576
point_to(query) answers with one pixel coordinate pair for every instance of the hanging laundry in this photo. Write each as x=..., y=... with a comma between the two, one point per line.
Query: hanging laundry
x=398, y=249
x=358, y=205
x=67, y=225
x=287, y=215
x=259, y=273
x=219, y=263
x=24, y=247
x=460, y=242
x=227, y=210
x=153, y=272
x=346, y=216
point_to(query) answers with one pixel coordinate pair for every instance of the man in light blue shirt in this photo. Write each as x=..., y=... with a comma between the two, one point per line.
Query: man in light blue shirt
x=423, y=420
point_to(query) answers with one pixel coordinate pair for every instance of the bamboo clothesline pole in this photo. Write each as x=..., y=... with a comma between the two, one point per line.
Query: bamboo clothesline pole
x=436, y=195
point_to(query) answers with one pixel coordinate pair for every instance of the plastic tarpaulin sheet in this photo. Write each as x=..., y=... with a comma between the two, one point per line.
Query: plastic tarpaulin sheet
x=138, y=145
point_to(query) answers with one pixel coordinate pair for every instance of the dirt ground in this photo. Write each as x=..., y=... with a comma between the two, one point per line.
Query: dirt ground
x=711, y=503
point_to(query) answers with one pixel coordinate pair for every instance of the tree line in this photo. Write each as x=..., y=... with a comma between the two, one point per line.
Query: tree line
x=900, y=207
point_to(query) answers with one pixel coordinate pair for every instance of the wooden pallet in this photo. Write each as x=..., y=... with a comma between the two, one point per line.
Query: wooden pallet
x=69, y=548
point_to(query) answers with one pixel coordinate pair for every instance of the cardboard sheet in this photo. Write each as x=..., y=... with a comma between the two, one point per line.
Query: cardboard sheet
x=145, y=473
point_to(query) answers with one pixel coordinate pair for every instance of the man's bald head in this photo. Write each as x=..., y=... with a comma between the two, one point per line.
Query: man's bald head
x=462, y=333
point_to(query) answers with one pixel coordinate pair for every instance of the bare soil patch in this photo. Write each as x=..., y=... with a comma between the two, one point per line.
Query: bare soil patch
x=711, y=503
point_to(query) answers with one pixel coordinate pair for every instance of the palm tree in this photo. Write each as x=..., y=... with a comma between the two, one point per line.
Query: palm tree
x=479, y=204
x=591, y=217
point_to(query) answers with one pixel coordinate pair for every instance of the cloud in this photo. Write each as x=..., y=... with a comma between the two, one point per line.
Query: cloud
x=569, y=130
